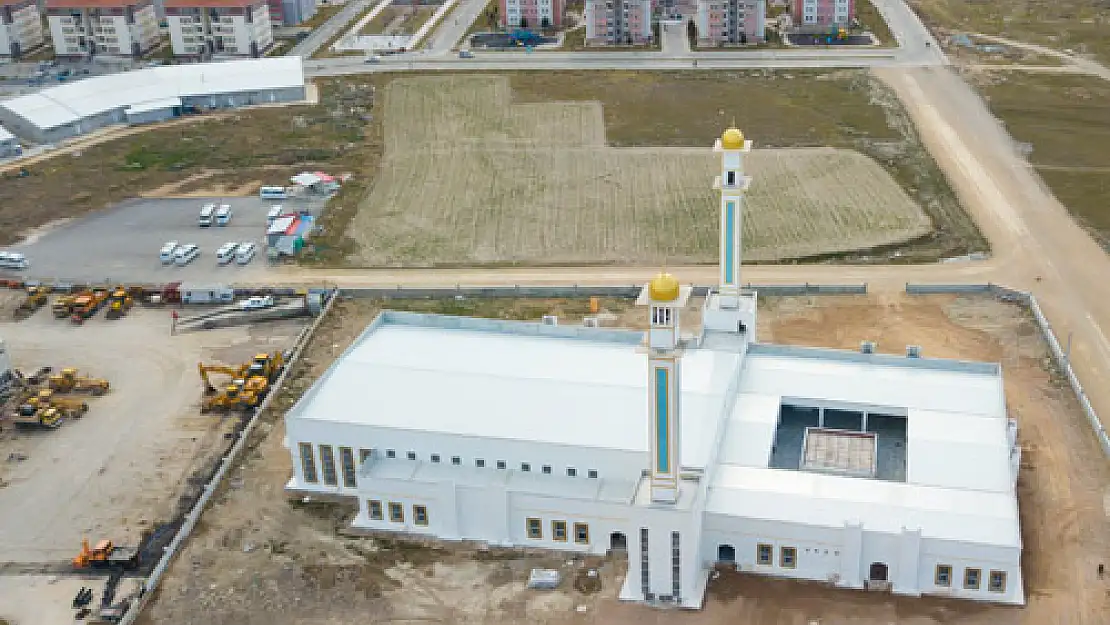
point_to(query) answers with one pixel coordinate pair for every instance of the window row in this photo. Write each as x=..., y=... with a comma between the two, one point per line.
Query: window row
x=396, y=512
x=534, y=527
x=348, y=467
x=996, y=580
x=788, y=556
x=500, y=464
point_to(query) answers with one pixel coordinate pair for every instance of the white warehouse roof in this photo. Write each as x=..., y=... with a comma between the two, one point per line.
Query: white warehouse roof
x=71, y=102
x=502, y=382
x=5, y=135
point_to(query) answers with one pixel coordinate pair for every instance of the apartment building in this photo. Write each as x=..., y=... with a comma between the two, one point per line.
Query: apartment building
x=90, y=27
x=618, y=22
x=532, y=13
x=808, y=14
x=676, y=9
x=20, y=27
x=205, y=28
x=731, y=22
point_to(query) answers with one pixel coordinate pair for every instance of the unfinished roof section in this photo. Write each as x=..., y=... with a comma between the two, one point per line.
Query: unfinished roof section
x=584, y=387
x=72, y=102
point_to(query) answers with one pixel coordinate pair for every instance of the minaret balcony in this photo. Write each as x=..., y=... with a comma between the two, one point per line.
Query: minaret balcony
x=741, y=186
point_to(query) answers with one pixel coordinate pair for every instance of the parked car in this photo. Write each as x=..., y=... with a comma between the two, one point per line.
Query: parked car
x=244, y=252
x=166, y=253
x=257, y=302
x=466, y=54
x=185, y=254
x=223, y=215
x=374, y=58
x=13, y=260
x=226, y=253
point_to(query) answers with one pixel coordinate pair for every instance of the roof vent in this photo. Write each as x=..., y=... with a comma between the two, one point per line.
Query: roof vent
x=590, y=322
x=913, y=351
x=867, y=347
x=550, y=320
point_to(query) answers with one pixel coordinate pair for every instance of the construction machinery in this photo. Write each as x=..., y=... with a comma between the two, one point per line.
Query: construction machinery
x=106, y=554
x=67, y=381
x=63, y=306
x=69, y=407
x=119, y=302
x=30, y=415
x=249, y=384
x=266, y=366
x=86, y=306
x=36, y=298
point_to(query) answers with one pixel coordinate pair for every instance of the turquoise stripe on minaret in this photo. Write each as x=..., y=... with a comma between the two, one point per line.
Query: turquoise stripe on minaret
x=662, y=407
x=730, y=241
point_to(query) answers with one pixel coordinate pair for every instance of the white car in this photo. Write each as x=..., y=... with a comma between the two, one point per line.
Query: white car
x=166, y=253
x=244, y=252
x=257, y=302
x=226, y=253
x=13, y=260
x=185, y=254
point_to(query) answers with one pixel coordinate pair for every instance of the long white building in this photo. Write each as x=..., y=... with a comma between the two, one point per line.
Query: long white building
x=680, y=449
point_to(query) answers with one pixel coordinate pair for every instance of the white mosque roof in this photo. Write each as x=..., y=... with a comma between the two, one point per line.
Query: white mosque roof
x=582, y=387
x=71, y=102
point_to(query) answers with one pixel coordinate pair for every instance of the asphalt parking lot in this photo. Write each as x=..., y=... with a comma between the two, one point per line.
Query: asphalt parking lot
x=121, y=244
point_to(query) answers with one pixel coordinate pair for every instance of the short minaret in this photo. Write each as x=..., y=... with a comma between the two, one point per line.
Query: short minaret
x=666, y=298
x=727, y=310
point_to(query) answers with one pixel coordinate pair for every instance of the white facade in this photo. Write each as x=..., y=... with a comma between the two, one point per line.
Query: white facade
x=9, y=146
x=618, y=22
x=200, y=29
x=20, y=27
x=524, y=434
x=124, y=29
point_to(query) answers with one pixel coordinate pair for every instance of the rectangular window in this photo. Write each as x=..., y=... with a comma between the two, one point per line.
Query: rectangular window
x=559, y=531
x=763, y=554
x=396, y=512
x=524, y=466
x=592, y=473
x=363, y=454
x=374, y=506
x=501, y=464
x=788, y=557
x=327, y=462
x=435, y=457
x=546, y=469
x=455, y=460
x=390, y=453
x=411, y=455
x=347, y=460
x=971, y=579
x=943, y=575
x=730, y=179
x=997, y=581
x=581, y=533
x=572, y=472
x=420, y=515
x=308, y=463
x=535, y=528
x=480, y=463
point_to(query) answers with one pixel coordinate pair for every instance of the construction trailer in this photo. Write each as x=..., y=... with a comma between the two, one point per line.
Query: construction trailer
x=206, y=294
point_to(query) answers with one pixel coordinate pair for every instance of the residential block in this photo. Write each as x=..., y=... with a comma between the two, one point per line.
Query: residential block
x=618, y=22
x=90, y=27
x=20, y=27
x=818, y=13
x=731, y=22
x=532, y=13
x=205, y=28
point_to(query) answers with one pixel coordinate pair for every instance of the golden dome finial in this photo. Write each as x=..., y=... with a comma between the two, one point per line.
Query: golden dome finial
x=663, y=288
x=732, y=138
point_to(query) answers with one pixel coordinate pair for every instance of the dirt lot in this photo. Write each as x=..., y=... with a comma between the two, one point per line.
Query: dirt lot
x=1079, y=25
x=258, y=559
x=399, y=20
x=535, y=183
x=1064, y=122
x=120, y=469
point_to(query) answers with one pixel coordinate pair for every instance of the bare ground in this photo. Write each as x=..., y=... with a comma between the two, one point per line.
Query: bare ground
x=258, y=559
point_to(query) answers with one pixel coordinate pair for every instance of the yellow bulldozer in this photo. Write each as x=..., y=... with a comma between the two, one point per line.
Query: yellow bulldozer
x=46, y=398
x=34, y=415
x=119, y=302
x=69, y=382
x=36, y=297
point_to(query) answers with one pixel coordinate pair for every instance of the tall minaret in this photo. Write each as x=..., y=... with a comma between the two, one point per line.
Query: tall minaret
x=666, y=298
x=727, y=312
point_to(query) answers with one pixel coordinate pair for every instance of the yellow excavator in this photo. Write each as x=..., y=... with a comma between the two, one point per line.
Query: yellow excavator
x=69, y=382
x=267, y=366
x=245, y=391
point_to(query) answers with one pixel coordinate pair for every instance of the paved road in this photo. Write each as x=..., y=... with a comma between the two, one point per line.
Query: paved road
x=457, y=22
x=305, y=49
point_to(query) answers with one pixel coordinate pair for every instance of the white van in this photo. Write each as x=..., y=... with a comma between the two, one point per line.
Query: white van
x=275, y=212
x=226, y=253
x=206, y=213
x=166, y=253
x=244, y=253
x=223, y=215
x=185, y=254
x=13, y=260
x=272, y=193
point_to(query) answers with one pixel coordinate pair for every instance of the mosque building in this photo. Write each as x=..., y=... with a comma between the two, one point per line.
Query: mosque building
x=678, y=450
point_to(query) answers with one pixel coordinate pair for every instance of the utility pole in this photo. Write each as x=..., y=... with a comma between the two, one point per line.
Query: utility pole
x=1067, y=352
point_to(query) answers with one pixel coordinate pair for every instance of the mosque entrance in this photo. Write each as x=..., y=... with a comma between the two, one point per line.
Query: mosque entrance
x=726, y=554
x=617, y=542
x=879, y=572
